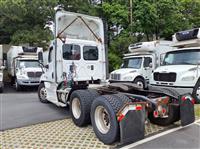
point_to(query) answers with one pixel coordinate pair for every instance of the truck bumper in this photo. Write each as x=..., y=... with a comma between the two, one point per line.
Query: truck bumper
x=180, y=90
x=28, y=82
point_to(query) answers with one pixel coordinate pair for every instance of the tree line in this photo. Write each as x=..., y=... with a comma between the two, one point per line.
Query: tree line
x=128, y=21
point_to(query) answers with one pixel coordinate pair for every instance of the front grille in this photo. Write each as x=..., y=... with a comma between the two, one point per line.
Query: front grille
x=167, y=77
x=34, y=74
x=115, y=76
x=38, y=74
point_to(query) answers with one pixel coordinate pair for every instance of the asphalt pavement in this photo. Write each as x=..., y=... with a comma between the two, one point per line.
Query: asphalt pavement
x=18, y=109
x=177, y=138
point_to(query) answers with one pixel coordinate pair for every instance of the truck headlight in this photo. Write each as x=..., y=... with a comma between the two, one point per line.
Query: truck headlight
x=188, y=78
x=21, y=77
x=128, y=78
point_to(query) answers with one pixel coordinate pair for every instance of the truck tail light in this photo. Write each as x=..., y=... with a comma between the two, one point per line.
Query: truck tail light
x=122, y=114
x=155, y=114
x=188, y=97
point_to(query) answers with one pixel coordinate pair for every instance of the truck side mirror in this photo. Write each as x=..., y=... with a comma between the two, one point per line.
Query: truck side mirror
x=40, y=57
x=46, y=66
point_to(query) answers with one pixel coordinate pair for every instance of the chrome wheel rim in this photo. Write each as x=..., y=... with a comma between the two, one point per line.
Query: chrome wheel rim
x=140, y=84
x=76, y=108
x=43, y=93
x=102, y=119
x=16, y=84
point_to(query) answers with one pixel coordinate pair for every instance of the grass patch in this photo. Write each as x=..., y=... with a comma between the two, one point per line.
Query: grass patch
x=197, y=110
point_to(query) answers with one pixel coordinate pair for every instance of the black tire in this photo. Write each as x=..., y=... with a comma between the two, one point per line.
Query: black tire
x=124, y=99
x=194, y=93
x=174, y=115
x=93, y=93
x=41, y=93
x=1, y=89
x=112, y=104
x=140, y=82
x=17, y=86
x=85, y=100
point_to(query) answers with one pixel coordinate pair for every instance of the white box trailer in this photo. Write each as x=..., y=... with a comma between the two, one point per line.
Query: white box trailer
x=1, y=68
x=139, y=64
x=23, y=66
x=76, y=60
x=180, y=70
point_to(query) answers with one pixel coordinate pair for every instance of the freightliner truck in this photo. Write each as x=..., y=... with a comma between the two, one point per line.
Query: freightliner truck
x=75, y=77
x=180, y=70
x=23, y=66
x=139, y=64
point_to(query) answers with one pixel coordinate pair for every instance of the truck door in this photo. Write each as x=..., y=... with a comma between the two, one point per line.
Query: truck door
x=50, y=85
x=71, y=59
x=147, y=68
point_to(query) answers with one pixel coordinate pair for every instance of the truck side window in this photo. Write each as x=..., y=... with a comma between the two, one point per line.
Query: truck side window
x=90, y=53
x=71, y=52
x=147, y=61
x=50, y=54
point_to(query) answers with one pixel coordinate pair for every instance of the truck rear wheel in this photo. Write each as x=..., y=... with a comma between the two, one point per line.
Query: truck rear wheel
x=42, y=94
x=80, y=105
x=103, y=117
x=173, y=116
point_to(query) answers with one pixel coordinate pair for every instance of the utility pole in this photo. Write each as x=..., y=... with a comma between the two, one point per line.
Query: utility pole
x=131, y=14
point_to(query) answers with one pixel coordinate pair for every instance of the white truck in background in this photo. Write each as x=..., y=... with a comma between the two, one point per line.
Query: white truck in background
x=1, y=68
x=180, y=70
x=139, y=64
x=23, y=66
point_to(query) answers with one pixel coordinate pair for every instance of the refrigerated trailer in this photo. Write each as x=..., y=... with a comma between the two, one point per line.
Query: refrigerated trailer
x=75, y=77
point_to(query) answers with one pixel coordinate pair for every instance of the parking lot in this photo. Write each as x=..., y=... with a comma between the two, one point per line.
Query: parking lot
x=27, y=123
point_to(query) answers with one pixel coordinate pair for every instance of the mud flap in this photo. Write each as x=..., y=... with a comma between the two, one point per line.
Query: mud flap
x=187, y=115
x=132, y=126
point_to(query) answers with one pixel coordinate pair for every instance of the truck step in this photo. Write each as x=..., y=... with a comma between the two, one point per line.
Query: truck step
x=63, y=91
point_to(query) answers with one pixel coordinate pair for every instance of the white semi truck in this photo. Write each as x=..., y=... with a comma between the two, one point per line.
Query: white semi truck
x=74, y=76
x=23, y=66
x=1, y=68
x=139, y=64
x=180, y=70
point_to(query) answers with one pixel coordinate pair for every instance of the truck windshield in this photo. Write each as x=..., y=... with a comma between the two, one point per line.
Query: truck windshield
x=132, y=62
x=29, y=63
x=183, y=57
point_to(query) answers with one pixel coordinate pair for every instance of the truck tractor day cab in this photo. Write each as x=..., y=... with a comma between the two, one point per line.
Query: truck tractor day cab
x=180, y=70
x=139, y=64
x=23, y=66
x=74, y=76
